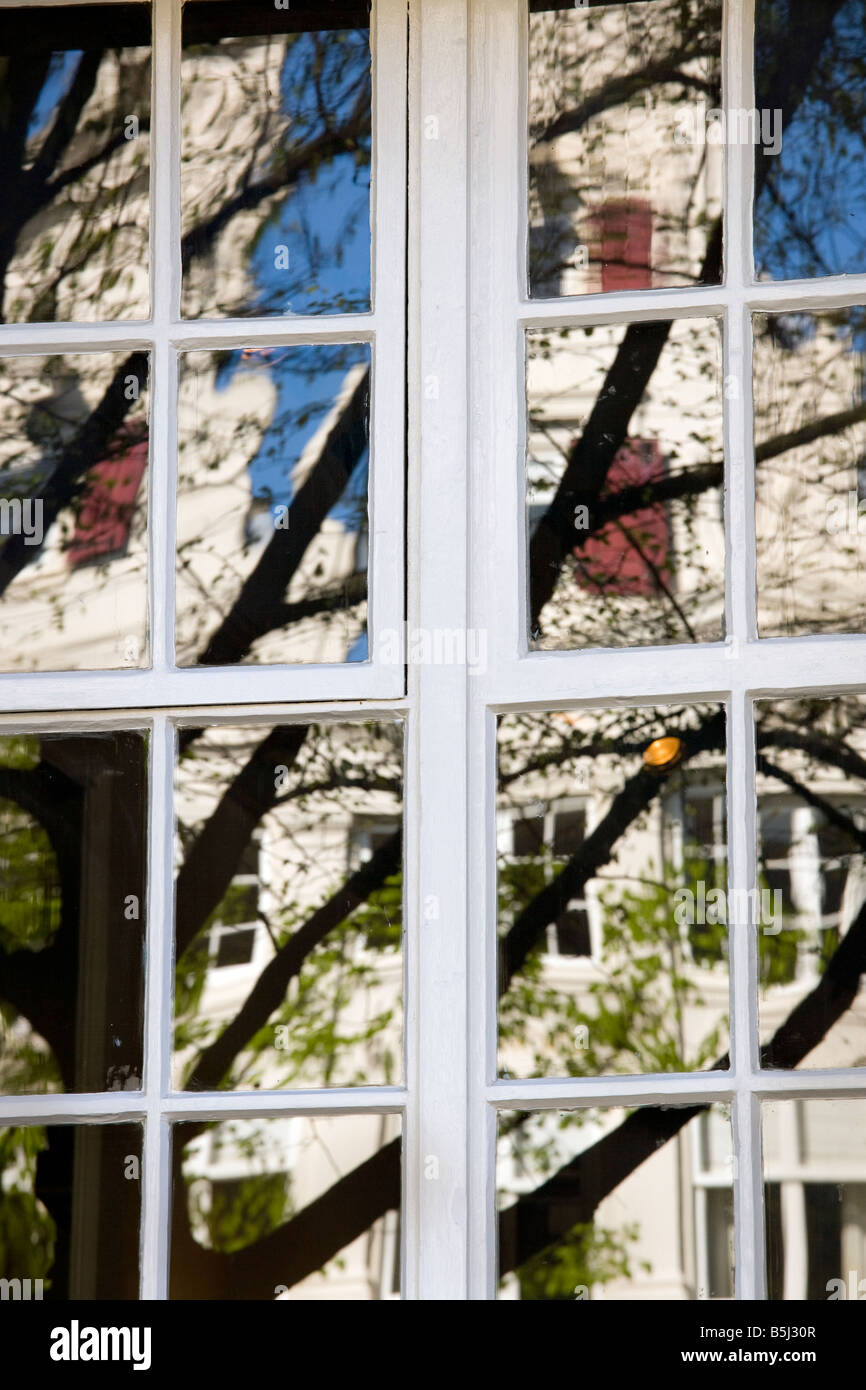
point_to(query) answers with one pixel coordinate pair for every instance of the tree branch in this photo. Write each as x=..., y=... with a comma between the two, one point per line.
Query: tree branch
x=618, y=91
x=269, y=991
x=88, y=446
x=253, y=611
x=64, y=126
x=637, y=794
x=538, y=1219
x=211, y=862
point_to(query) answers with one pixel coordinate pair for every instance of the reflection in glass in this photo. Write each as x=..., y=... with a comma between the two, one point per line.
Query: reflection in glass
x=810, y=455
x=73, y=819
x=810, y=190
x=73, y=512
x=815, y=1198
x=624, y=485
x=75, y=98
x=612, y=877
x=276, y=159
x=812, y=858
x=70, y=1201
x=597, y=1204
x=289, y=907
x=272, y=505
x=625, y=164
x=298, y=1208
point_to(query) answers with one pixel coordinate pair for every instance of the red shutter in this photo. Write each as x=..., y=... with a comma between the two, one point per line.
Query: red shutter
x=608, y=562
x=623, y=244
x=106, y=509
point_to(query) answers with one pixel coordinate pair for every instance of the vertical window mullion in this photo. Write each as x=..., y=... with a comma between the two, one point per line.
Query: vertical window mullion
x=738, y=45
x=498, y=285
x=165, y=308
x=156, y=1186
x=436, y=1143
x=165, y=301
x=386, y=600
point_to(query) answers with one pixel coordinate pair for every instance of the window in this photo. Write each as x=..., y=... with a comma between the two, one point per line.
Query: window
x=202, y=450
x=432, y=635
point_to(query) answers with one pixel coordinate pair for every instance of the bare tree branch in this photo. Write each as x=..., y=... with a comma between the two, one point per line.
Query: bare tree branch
x=259, y=603
x=212, y=860
x=269, y=991
x=87, y=447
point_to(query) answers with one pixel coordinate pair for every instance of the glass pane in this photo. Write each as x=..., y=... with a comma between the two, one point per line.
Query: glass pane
x=810, y=89
x=613, y=942
x=816, y=1220
x=625, y=160
x=296, y=1208
x=624, y=485
x=70, y=1202
x=272, y=515
x=73, y=512
x=290, y=975
x=73, y=818
x=810, y=474
x=811, y=895
x=597, y=1204
x=276, y=158
x=74, y=220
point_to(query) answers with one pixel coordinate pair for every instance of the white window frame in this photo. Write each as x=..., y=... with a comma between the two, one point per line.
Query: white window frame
x=734, y=672
x=468, y=310
x=166, y=334
x=163, y=699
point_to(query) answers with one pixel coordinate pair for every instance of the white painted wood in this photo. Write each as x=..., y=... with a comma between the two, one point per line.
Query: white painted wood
x=211, y=685
x=437, y=831
x=496, y=454
x=134, y=1105
x=623, y=307
x=544, y=680
x=191, y=333
x=680, y=1088
x=738, y=93
x=386, y=604
x=192, y=716
x=159, y=1009
x=547, y=680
